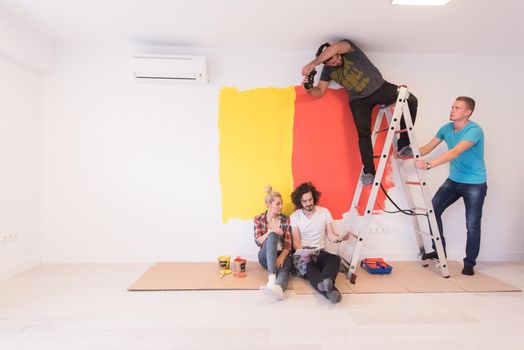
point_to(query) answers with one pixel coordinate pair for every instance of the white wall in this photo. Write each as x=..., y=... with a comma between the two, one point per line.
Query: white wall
x=20, y=175
x=130, y=171
x=24, y=55
x=21, y=43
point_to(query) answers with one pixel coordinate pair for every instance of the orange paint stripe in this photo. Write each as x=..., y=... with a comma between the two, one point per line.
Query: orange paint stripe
x=325, y=150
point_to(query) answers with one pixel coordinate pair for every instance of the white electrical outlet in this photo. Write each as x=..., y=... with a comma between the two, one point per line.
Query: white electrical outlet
x=376, y=229
x=8, y=237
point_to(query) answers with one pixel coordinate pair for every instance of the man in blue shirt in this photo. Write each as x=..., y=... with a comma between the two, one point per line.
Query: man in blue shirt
x=467, y=175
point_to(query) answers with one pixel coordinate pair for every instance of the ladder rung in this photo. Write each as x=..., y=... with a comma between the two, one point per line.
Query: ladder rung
x=423, y=233
x=420, y=210
x=415, y=183
x=381, y=130
x=373, y=212
x=387, y=129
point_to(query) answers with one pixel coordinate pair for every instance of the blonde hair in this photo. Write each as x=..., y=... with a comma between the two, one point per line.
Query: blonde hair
x=271, y=195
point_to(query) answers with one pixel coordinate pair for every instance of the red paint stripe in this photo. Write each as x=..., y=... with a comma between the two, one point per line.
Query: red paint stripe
x=325, y=150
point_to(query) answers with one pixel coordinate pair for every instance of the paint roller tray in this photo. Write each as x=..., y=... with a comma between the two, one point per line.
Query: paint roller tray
x=376, y=266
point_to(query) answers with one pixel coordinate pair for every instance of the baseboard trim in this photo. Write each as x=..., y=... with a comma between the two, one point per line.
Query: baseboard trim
x=25, y=265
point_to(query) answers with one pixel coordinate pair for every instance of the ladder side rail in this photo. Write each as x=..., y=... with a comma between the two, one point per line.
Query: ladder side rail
x=374, y=191
x=401, y=171
x=353, y=211
x=410, y=201
x=432, y=221
x=376, y=128
x=378, y=122
x=358, y=191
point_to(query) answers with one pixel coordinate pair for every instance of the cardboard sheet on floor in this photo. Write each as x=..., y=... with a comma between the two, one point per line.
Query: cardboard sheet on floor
x=407, y=277
x=197, y=276
x=367, y=283
x=418, y=279
x=411, y=276
x=478, y=283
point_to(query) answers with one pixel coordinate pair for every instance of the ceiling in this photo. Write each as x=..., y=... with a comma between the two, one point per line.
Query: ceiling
x=462, y=27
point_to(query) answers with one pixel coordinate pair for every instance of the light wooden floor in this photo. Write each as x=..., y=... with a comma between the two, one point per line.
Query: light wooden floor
x=77, y=306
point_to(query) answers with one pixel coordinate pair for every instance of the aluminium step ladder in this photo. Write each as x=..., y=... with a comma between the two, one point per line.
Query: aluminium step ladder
x=393, y=122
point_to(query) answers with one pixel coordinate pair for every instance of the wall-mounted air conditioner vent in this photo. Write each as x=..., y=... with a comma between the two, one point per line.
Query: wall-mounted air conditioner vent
x=183, y=69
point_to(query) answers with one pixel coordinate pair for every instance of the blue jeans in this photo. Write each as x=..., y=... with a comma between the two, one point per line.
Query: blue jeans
x=267, y=257
x=473, y=195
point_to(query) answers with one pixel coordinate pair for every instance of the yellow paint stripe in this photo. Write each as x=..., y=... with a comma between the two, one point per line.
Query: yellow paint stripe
x=255, y=148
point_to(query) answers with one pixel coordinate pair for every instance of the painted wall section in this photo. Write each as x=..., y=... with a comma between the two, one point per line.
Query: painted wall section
x=325, y=150
x=256, y=138
x=284, y=137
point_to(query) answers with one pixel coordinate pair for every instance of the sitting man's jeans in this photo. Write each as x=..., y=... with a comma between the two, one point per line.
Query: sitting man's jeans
x=326, y=265
x=267, y=257
x=473, y=195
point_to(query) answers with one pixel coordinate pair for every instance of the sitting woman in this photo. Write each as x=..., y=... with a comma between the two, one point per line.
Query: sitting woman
x=273, y=236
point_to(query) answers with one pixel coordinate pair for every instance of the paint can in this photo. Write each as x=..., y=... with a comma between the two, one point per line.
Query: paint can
x=240, y=267
x=223, y=262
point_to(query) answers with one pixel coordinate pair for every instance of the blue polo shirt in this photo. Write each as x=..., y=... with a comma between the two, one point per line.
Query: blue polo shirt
x=468, y=167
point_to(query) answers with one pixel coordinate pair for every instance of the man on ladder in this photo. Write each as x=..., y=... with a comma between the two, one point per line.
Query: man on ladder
x=467, y=176
x=347, y=64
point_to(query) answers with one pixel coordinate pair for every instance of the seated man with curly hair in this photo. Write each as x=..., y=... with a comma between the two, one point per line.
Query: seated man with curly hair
x=310, y=226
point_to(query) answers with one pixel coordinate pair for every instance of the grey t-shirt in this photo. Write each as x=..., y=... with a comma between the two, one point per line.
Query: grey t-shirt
x=357, y=74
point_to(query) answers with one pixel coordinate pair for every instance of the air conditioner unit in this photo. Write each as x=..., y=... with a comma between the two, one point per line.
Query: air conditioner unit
x=183, y=69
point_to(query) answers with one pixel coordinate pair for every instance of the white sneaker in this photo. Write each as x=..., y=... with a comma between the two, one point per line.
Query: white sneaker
x=266, y=290
x=274, y=291
x=277, y=291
